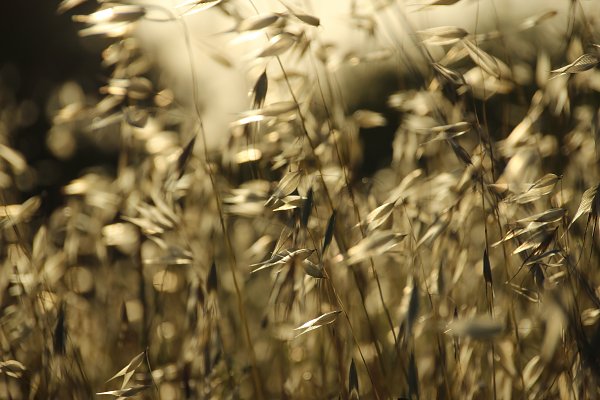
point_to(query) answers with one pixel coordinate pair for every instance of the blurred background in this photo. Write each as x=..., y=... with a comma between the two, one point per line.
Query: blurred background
x=40, y=53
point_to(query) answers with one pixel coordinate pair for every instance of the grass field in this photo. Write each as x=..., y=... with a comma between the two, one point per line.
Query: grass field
x=378, y=223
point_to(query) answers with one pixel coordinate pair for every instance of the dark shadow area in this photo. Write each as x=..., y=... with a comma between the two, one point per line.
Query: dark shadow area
x=40, y=51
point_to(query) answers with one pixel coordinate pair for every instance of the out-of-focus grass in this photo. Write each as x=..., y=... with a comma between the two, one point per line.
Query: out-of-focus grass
x=271, y=268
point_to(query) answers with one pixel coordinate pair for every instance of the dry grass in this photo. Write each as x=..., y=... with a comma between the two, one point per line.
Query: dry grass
x=466, y=269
